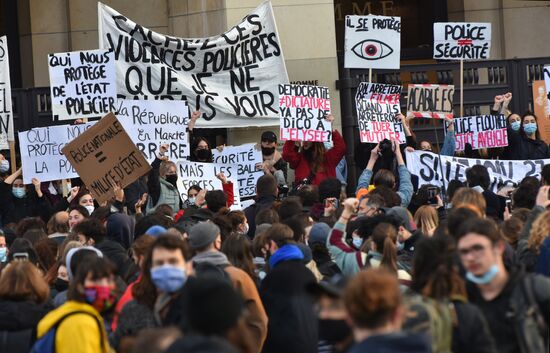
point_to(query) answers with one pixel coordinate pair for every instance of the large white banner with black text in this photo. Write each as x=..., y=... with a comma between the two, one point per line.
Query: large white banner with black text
x=6, y=113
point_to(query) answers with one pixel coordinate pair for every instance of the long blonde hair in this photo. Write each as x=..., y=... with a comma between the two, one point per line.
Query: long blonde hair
x=426, y=219
x=539, y=231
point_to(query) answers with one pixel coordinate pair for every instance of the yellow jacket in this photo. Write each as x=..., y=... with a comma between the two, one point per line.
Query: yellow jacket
x=78, y=333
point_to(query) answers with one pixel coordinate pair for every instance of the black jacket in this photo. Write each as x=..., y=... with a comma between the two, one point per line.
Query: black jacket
x=397, y=342
x=18, y=321
x=522, y=148
x=292, y=325
x=250, y=212
x=117, y=255
x=471, y=335
x=14, y=209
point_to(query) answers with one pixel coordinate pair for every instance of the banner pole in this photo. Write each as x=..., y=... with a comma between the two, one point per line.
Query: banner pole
x=461, y=87
x=370, y=75
x=12, y=156
x=444, y=188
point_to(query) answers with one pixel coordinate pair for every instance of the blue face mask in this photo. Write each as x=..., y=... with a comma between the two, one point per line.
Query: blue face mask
x=4, y=166
x=487, y=277
x=530, y=128
x=18, y=192
x=357, y=242
x=191, y=200
x=515, y=125
x=3, y=254
x=399, y=246
x=168, y=278
x=328, y=145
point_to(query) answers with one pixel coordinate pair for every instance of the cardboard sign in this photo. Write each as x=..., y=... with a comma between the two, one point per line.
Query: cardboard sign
x=104, y=156
x=303, y=110
x=426, y=166
x=377, y=109
x=40, y=150
x=430, y=101
x=232, y=78
x=82, y=84
x=481, y=131
x=152, y=123
x=462, y=41
x=6, y=113
x=546, y=74
x=204, y=175
x=372, y=42
x=540, y=108
x=241, y=164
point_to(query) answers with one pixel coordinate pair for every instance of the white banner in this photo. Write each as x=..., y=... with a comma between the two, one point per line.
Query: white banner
x=481, y=131
x=151, y=123
x=6, y=113
x=239, y=162
x=372, y=42
x=461, y=40
x=426, y=166
x=232, y=78
x=546, y=74
x=82, y=84
x=40, y=150
x=204, y=175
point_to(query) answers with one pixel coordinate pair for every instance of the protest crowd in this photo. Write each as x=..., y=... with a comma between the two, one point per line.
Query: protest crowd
x=149, y=237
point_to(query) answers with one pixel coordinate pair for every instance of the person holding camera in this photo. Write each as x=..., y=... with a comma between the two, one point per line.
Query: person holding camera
x=311, y=162
x=386, y=177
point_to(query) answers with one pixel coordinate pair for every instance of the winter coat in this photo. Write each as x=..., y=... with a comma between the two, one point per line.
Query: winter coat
x=18, y=320
x=13, y=209
x=397, y=342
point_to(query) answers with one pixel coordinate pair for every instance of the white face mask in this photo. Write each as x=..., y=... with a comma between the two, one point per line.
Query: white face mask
x=90, y=209
x=4, y=166
x=246, y=228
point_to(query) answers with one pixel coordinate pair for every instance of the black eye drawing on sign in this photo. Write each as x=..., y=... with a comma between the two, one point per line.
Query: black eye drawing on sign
x=371, y=49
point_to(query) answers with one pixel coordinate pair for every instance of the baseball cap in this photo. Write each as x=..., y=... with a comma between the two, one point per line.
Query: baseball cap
x=269, y=136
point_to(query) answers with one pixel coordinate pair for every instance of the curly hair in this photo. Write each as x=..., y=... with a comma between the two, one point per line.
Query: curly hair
x=539, y=231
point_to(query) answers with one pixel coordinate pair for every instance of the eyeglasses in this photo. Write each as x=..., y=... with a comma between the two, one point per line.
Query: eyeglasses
x=475, y=250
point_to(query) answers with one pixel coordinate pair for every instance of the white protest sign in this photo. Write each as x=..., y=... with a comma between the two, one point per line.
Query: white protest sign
x=303, y=110
x=240, y=163
x=547, y=84
x=204, y=176
x=426, y=166
x=82, y=84
x=481, y=131
x=152, y=123
x=232, y=78
x=6, y=113
x=462, y=41
x=430, y=101
x=41, y=155
x=372, y=42
x=377, y=110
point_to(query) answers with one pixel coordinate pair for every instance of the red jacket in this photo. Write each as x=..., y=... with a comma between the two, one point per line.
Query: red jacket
x=300, y=165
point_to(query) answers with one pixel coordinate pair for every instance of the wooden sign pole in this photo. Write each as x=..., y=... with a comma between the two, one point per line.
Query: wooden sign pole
x=461, y=87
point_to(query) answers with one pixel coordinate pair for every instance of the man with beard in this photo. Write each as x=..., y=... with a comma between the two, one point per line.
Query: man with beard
x=273, y=160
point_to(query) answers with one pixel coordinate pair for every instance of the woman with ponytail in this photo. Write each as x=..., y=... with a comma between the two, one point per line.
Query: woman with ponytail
x=383, y=251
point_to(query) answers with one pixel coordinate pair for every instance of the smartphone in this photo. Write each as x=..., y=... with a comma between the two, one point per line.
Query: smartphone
x=509, y=204
x=432, y=191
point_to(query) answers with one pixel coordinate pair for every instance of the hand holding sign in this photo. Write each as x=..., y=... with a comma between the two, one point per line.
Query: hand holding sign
x=36, y=184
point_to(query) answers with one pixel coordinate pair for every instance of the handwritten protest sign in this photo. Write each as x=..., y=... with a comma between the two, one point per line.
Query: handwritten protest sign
x=426, y=166
x=303, y=110
x=481, y=131
x=41, y=155
x=240, y=163
x=104, y=156
x=546, y=74
x=82, y=84
x=377, y=109
x=372, y=42
x=232, y=78
x=460, y=40
x=6, y=113
x=540, y=108
x=204, y=176
x=430, y=101
x=152, y=123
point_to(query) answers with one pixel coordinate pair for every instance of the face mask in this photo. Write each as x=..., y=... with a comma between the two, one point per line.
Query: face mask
x=246, y=228
x=168, y=278
x=90, y=209
x=191, y=200
x=328, y=145
x=333, y=330
x=268, y=151
x=172, y=179
x=357, y=242
x=202, y=154
x=3, y=254
x=530, y=128
x=102, y=298
x=4, y=166
x=515, y=125
x=61, y=285
x=487, y=277
x=18, y=192
x=399, y=246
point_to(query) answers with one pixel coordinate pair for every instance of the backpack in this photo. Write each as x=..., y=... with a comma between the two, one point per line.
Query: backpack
x=433, y=318
x=46, y=343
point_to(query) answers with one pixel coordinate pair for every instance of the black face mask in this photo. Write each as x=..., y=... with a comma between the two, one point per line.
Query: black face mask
x=268, y=151
x=172, y=179
x=333, y=330
x=202, y=154
x=308, y=154
x=61, y=285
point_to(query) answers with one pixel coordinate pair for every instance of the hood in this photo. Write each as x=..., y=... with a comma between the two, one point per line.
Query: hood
x=286, y=253
x=215, y=258
x=21, y=315
x=394, y=343
x=120, y=228
x=54, y=316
